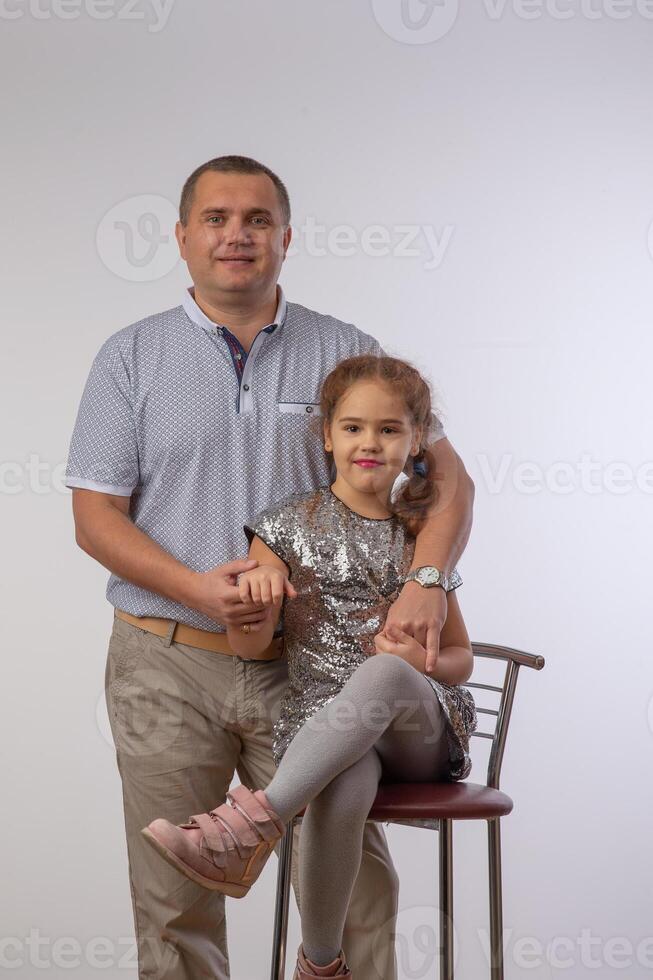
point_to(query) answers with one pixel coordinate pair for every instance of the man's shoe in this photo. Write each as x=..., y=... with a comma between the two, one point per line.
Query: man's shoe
x=306, y=970
x=225, y=849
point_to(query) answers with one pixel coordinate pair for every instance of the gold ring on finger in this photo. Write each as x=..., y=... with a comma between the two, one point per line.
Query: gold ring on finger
x=245, y=627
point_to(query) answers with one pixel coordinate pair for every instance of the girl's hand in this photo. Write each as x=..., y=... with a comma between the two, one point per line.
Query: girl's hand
x=393, y=640
x=266, y=585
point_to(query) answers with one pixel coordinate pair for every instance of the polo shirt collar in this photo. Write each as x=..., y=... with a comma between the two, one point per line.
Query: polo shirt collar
x=202, y=320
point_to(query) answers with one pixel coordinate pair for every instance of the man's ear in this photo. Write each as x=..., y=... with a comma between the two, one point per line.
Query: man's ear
x=287, y=235
x=180, y=235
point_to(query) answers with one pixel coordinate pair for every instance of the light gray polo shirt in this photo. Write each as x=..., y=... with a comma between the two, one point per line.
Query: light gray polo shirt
x=170, y=418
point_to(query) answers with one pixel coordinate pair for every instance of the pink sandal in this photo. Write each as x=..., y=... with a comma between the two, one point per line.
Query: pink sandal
x=225, y=849
x=305, y=970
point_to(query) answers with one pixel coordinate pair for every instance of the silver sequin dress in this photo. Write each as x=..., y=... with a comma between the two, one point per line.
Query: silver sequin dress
x=347, y=570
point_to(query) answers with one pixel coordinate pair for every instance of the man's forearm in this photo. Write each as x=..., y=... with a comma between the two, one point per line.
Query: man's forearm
x=116, y=542
x=446, y=530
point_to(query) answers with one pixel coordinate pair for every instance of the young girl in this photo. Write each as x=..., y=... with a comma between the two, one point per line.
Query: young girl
x=359, y=707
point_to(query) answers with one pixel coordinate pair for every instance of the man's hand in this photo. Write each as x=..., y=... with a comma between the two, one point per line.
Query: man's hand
x=421, y=613
x=216, y=594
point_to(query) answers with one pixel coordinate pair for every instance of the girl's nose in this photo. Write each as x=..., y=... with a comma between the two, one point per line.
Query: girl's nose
x=370, y=445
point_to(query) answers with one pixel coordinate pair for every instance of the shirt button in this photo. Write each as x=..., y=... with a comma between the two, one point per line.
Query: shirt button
x=309, y=408
x=238, y=355
x=245, y=387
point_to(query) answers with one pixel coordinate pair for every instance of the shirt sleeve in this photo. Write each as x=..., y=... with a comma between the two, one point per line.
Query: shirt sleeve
x=103, y=452
x=369, y=345
x=274, y=527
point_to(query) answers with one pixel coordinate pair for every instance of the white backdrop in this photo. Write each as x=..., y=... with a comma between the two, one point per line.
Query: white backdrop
x=472, y=187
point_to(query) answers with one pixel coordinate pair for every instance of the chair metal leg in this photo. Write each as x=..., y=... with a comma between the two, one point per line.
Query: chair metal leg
x=280, y=933
x=496, y=899
x=446, y=899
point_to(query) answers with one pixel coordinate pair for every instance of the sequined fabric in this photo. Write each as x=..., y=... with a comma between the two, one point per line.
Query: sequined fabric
x=348, y=571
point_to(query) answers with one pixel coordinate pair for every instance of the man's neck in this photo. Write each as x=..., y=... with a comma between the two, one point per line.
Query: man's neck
x=242, y=317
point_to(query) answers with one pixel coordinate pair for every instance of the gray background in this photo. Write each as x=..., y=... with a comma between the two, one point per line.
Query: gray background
x=519, y=138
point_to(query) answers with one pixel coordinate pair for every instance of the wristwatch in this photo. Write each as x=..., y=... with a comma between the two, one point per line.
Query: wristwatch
x=430, y=576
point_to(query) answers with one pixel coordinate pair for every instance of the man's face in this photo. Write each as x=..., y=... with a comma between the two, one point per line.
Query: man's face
x=234, y=241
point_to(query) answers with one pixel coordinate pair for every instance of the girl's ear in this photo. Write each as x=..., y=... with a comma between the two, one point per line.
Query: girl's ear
x=327, y=437
x=416, y=443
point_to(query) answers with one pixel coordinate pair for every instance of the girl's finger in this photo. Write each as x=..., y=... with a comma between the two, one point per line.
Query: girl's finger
x=397, y=634
x=266, y=591
x=383, y=644
x=290, y=590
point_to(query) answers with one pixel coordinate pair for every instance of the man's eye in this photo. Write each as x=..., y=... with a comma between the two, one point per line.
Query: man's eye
x=215, y=217
x=262, y=220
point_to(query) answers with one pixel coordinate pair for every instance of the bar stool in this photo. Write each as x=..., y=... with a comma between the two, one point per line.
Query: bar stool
x=438, y=805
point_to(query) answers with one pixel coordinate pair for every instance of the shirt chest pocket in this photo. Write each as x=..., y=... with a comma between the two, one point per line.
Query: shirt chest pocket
x=307, y=409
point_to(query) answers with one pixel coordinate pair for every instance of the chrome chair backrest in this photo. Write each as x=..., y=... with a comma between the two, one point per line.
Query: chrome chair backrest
x=514, y=659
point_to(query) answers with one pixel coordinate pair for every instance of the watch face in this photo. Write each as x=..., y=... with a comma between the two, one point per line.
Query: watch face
x=428, y=576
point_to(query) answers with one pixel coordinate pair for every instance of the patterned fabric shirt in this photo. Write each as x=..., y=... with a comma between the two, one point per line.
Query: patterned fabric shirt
x=202, y=435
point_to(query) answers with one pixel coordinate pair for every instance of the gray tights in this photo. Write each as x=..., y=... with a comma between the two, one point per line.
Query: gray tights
x=385, y=722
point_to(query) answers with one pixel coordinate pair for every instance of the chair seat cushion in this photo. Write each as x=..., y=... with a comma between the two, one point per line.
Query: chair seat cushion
x=455, y=801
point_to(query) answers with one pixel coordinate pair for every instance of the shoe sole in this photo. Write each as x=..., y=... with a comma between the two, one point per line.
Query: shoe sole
x=226, y=887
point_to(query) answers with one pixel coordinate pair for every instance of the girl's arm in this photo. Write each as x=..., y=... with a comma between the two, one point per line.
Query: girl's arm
x=250, y=645
x=455, y=661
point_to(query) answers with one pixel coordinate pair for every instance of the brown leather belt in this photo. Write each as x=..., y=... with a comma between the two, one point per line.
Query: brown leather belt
x=204, y=639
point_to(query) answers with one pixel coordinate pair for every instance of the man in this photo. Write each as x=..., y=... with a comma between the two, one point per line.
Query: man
x=192, y=421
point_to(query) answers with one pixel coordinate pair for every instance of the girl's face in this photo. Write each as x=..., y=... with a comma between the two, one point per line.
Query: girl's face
x=371, y=436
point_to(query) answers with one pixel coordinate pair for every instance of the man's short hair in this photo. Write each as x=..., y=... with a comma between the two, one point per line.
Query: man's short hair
x=232, y=165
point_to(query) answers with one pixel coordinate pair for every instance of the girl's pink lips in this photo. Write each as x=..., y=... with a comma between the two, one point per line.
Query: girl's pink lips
x=368, y=463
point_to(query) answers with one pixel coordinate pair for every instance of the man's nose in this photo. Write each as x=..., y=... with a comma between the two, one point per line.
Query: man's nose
x=238, y=231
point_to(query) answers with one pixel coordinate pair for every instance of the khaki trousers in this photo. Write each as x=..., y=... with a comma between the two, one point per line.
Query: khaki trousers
x=183, y=721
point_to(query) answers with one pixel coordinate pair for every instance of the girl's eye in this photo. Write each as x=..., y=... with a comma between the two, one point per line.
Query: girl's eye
x=386, y=428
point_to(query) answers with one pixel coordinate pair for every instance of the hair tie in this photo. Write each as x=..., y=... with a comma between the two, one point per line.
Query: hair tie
x=420, y=466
